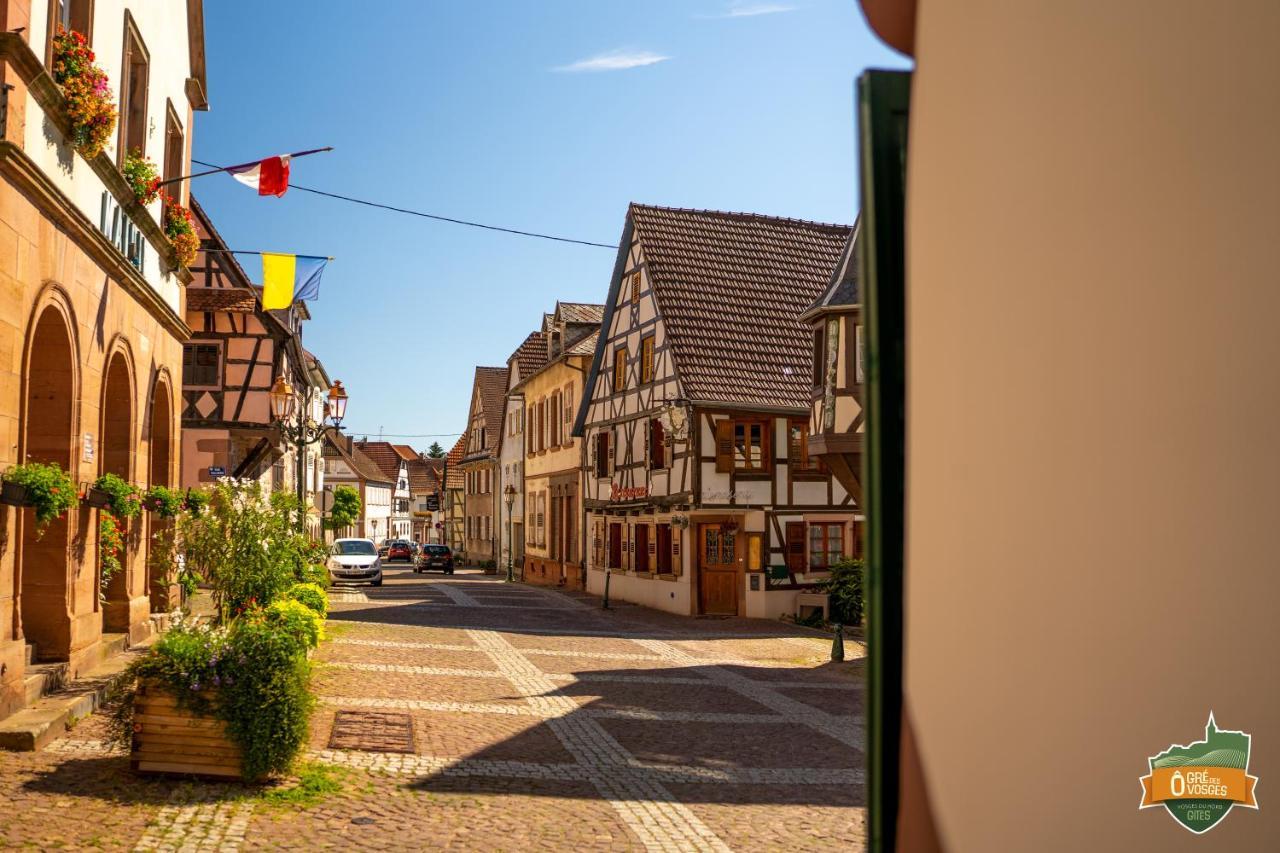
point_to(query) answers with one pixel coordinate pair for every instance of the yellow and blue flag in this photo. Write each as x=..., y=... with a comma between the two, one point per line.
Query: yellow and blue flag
x=288, y=278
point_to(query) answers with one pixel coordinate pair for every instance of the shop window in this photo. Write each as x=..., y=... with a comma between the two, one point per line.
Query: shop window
x=642, y=562
x=826, y=544
x=615, y=545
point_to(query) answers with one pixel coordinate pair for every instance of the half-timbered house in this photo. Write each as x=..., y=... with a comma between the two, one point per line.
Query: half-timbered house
x=553, y=468
x=526, y=360
x=480, y=464
x=701, y=495
x=236, y=351
x=455, y=497
x=836, y=419
x=394, y=465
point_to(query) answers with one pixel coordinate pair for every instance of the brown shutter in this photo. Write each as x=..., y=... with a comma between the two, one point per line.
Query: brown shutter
x=766, y=443
x=724, y=446
x=795, y=546
x=657, y=444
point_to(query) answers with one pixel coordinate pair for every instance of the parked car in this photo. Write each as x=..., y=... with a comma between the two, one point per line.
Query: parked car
x=384, y=547
x=355, y=561
x=399, y=549
x=434, y=557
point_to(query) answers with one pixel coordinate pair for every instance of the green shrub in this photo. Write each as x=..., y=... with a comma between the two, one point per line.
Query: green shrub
x=49, y=489
x=194, y=502
x=345, y=510
x=125, y=500
x=845, y=588
x=313, y=573
x=298, y=620
x=311, y=595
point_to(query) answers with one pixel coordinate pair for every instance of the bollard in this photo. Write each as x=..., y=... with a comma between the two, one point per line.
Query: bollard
x=606, y=589
x=837, y=645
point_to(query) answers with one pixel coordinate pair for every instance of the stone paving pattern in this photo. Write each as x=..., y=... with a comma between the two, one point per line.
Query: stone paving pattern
x=540, y=721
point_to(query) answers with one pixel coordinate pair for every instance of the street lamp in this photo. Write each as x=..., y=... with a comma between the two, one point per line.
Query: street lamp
x=296, y=426
x=509, y=495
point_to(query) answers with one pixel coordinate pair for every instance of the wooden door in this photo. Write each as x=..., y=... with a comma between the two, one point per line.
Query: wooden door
x=717, y=570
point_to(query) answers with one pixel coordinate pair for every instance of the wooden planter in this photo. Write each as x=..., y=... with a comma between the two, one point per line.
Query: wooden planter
x=174, y=741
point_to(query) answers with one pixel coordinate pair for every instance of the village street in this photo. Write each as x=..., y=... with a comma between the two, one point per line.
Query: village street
x=498, y=716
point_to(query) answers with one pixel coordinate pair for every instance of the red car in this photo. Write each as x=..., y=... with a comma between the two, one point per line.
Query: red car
x=400, y=550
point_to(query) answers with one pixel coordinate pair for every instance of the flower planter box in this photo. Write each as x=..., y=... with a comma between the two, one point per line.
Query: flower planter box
x=169, y=740
x=14, y=494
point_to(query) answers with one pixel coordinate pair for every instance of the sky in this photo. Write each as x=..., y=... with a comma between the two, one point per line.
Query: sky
x=539, y=115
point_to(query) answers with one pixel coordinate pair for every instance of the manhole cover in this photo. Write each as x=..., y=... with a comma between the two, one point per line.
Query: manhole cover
x=372, y=731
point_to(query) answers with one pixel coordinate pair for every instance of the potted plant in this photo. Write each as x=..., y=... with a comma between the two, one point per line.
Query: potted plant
x=123, y=498
x=231, y=698
x=180, y=227
x=142, y=176
x=46, y=487
x=163, y=501
x=90, y=107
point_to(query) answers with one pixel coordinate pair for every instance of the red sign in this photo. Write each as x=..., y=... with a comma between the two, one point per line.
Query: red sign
x=629, y=494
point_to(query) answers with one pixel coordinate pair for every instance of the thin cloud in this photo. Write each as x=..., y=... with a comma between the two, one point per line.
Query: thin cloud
x=753, y=10
x=615, y=60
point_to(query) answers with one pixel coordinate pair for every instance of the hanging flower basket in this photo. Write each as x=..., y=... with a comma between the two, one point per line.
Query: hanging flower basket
x=14, y=494
x=95, y=497
x=90, y=106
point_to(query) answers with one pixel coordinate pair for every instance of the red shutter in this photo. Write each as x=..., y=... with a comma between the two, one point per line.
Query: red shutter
x=795, y=546
x=724, y=446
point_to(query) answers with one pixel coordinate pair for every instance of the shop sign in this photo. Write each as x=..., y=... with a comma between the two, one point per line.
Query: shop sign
x=631, y=493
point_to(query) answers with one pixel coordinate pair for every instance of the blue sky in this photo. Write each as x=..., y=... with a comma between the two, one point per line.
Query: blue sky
x=542, y=115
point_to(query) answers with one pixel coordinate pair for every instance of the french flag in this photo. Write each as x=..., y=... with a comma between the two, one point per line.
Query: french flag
x=268, y=177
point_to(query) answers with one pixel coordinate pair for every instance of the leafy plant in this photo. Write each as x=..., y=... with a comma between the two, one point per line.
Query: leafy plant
x=311, y=595
x=125, y=500
x=110, y=547
x=314, y=573
x=91, y=106
x=244, y=545
x=194, y=501
x=298, y=619
x=315, y=782
x=180, y=227
x=345, y=510
x=142, y=176
x=845, y=589
x=49, y=488
x=166, y=502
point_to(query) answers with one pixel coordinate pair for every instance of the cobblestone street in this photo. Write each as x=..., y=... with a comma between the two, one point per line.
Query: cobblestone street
x=539, y=721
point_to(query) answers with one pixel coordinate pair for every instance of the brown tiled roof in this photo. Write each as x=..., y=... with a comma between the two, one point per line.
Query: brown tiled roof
x=730, y=288
x=456, y=479
x=842, y=291
x=531, y=354
x=238, y=299
x=492, y=385
x=579, y=312
x=384, y=455
x=361, y=464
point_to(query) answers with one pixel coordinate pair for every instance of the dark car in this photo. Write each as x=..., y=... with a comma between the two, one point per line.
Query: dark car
x=399, y=549
x=434, y=557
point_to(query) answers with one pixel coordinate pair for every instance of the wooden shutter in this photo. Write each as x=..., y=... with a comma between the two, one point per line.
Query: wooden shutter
x=795, y=546
x=724, y=446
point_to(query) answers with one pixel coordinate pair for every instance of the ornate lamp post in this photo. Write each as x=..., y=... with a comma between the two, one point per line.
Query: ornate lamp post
x=295, y=424
x=509, y=495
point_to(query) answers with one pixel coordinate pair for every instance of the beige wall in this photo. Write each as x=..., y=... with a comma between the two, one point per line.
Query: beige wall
x=1093, y=217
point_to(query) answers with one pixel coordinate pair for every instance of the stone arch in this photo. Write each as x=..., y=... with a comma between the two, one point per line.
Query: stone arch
x=47, y=433
x=160, y=461
x=117, y=449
